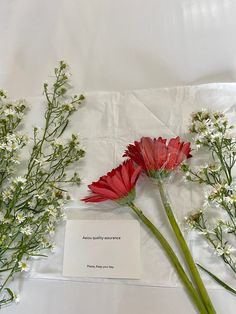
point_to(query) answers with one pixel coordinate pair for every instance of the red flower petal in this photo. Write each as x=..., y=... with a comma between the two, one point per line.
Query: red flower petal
x=125, y=176
x=160, y=152
x=186, y=150
x=116, y=185
x=94, y=199
x=157, y=154
x=147, y=150
x=135, y=175
x=133, y=152
x=103, y=192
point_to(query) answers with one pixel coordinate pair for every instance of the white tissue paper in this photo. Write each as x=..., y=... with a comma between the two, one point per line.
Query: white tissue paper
x=107, y=122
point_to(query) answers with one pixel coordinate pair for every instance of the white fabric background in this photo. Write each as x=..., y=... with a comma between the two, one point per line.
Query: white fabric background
x=115, y=45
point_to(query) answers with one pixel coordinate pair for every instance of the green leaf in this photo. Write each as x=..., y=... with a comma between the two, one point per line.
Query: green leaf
x=63, y=129
x=11, y=294
x=218, y=280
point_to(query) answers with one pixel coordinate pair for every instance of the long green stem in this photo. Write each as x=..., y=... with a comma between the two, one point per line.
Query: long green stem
x=173, y=259
x=185, y=250
x=7, y=279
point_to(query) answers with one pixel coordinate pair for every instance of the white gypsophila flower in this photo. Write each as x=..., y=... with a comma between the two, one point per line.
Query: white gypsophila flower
x=189, y=223
x=225, y=250
x=41, y=161
x=61, y=202
x=20, y=102
x=52, y=247
x=9, y=112
x=50, y=229
x=215, y=135
x=23, y=266
x=231, y=187
x=27, y=230
x=215, y=168
x=197, y=146
x=206, y=231
x=45, y=243
x=39, y=196
x=13, y=142
x=58, y=143
x=24, y=138
x=203, y=231
x=33, y=254
x=20, y=115
x=52, y=210
x=69, y=107
x=20, y=180
x=221, y=121
x=210, y=129
x=15, y=160
x=227, y=226
x=20, y=217
x=7, y=194
x=200, y=140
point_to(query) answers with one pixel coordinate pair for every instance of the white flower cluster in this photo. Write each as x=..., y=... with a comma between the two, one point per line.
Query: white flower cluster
x=216, y=221
x=221, y=195
x=13, y=142
x=12, y=111
x=193, y=220
x=31, y=205
x=223, y=250
x=209, y=127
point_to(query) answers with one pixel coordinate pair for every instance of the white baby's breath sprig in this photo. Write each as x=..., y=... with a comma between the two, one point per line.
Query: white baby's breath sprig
x=32, y=199
x=212, y=131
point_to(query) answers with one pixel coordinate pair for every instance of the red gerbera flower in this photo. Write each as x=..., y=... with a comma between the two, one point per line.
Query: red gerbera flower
x=157, y=156
x=118, y=185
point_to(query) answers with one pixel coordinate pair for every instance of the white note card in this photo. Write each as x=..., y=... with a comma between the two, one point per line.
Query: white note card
x=102, y=248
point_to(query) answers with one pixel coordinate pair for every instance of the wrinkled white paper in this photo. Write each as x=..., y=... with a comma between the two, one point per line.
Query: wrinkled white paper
x=107, y=123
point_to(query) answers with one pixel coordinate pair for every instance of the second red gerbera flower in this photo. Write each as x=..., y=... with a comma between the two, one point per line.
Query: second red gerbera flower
x=158, y=157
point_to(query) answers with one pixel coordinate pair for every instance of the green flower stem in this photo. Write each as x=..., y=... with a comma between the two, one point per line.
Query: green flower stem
x=173, y=259
x=2, y=287
x=185, y=250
